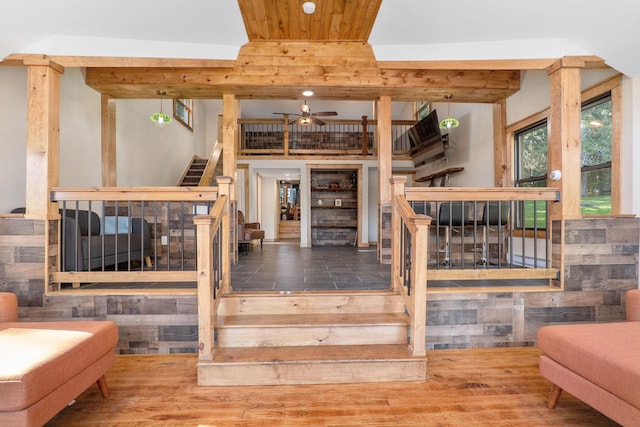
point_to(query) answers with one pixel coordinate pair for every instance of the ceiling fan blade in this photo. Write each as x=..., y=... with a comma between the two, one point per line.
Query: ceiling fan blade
x=288, y=114
x=317, y=121
x=325, y=113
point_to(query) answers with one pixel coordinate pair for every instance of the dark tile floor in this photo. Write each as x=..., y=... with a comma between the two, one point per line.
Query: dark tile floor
x=285, y=266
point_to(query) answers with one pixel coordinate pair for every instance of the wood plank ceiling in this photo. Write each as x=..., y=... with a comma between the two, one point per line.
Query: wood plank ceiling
x=338, y=20
x=289, y=51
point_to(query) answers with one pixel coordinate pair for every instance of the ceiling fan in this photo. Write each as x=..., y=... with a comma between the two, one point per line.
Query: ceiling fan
x=307, y=117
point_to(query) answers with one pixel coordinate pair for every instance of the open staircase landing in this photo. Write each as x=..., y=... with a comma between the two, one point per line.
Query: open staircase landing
x=311, y=338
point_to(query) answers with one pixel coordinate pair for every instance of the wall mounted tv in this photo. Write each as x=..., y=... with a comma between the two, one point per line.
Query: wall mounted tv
x=426, y=141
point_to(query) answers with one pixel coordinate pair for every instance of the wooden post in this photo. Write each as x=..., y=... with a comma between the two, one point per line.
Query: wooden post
x=285, y=141
x=229, y=237
x=385, y=158
x=206, y=312
x=501, y=151
x=397, y=184
x=230, y=114
x=564, y=136
x=385, y=151
x=365, y=137
x=43, y=135
x=420, y=244
x=108, y=140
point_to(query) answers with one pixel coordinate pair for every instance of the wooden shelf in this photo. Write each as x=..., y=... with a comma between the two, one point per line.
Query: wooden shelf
x=336, y=225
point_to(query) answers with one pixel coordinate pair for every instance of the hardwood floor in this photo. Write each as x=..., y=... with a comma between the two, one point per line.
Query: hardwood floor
x=488, y=387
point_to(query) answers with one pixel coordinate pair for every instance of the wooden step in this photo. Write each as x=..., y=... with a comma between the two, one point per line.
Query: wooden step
x=289, y=230
x=252, y=303
x=312, y=329
x=311, y=365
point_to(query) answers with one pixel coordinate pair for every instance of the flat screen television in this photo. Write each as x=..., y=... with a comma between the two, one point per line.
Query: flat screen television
x=426, y=141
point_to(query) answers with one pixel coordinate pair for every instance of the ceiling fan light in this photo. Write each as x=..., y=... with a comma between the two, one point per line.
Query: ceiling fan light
x=308, y=7
x=304, y=121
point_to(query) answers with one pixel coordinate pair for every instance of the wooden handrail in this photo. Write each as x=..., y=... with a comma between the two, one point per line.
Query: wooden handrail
x=165, y=194
x=453, y=194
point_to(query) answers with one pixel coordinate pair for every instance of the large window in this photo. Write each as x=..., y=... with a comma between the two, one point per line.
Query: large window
x=596, y=138
x=183, y=112
x=531, y=148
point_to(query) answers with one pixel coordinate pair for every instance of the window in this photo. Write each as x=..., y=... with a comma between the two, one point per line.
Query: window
x=183, y=112
x=596, y=136
x=531, y=148
x=421, y=109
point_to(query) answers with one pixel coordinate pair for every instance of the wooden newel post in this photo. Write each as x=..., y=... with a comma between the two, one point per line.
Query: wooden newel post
x=229, y=238
x=397, y=189
x=420, y=245
x=206, y=302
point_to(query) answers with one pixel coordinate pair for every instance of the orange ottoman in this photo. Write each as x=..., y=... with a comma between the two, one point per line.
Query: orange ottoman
x=45, y=365
x=597, y=363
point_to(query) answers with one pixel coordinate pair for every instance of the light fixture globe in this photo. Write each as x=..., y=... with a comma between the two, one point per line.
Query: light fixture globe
x=161, y=118
x=449, y=123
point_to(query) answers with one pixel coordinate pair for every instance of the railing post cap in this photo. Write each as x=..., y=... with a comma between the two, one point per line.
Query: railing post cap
x=224, y=179
x=398, y=179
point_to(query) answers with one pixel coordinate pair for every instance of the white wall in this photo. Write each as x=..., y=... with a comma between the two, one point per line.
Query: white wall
x=13, y=136
x=147, y=154
x=470, y=145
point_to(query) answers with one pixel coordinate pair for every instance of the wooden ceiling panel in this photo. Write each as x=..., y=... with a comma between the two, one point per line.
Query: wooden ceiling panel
x=333, y=20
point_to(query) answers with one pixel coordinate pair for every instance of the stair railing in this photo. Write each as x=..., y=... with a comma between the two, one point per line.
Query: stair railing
x=213, y=267
x=411, y=234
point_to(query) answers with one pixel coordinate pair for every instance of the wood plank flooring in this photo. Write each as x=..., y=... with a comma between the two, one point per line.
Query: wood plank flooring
x=487, y=387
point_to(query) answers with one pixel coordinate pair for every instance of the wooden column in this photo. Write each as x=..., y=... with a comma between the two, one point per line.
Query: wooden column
x=385, y=157
x=564, y=136
x=385, y=148
x=108, y=140
x=43, y=134
x=230, y=114
x=501, y=151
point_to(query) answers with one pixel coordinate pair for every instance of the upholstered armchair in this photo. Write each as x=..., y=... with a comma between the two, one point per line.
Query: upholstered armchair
x=248, y=231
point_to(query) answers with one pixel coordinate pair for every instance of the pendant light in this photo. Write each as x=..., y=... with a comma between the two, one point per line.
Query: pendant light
x=449, y=122
x=161, y=118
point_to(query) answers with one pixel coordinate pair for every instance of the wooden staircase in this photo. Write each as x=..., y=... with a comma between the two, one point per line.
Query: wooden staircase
x=192, y=175
x=311, y=338
x=202, y=172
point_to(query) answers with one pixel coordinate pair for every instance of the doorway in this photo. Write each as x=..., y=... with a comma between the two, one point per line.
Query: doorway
x=289, y=214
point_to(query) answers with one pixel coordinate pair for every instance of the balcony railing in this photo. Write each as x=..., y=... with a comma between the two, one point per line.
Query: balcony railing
x=133, y=235
x=269, y=137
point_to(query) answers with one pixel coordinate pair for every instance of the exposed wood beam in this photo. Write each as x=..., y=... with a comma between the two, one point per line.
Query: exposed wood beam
x=278, y=82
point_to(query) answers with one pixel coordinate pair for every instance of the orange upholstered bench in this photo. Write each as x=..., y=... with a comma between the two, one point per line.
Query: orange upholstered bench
x=46, y=365
x=597, y=363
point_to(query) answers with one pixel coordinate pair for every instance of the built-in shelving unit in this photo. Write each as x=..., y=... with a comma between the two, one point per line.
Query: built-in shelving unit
x=335, y=204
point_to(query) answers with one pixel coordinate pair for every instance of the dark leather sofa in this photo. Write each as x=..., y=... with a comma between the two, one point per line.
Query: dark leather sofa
x=85, y=247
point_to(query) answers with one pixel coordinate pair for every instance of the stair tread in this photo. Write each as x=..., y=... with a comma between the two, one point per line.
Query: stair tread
x=313, y=320
x=275, y=355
